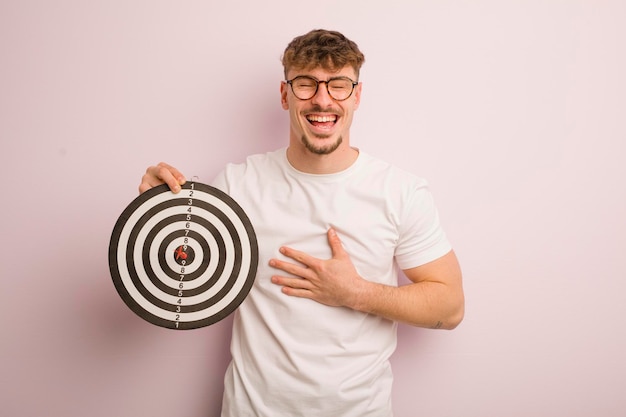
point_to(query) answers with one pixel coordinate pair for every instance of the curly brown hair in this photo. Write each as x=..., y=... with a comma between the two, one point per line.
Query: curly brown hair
x=322, y=48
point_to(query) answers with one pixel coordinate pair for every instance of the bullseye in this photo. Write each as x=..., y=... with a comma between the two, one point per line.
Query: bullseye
x=184, y=255
x=185, y=260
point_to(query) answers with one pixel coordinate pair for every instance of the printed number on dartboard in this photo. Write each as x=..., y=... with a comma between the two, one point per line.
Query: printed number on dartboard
x=183, y=262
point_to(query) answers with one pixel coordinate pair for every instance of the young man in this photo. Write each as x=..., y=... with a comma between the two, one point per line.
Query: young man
x=334, y=225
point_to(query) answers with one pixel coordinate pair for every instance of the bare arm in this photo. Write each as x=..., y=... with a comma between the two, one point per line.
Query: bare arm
x=162, y=174
x=433, y=299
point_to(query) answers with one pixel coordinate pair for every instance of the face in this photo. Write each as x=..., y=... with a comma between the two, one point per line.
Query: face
x=320, y=124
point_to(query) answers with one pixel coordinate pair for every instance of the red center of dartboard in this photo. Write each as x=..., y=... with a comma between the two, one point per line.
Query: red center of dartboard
x=184, y=255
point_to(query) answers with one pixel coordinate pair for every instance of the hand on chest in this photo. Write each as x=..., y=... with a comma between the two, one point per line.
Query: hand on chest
x=300, y=219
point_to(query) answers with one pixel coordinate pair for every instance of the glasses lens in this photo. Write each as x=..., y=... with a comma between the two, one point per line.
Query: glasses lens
x=304, y=87
x=340, y=88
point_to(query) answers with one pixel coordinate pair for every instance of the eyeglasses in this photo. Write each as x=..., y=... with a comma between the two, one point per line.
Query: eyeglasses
x=305, y=87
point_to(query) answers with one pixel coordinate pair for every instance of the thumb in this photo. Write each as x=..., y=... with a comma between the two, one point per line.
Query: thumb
x=335, y=243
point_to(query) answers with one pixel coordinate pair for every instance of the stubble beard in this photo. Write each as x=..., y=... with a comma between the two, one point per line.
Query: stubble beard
x=321, y=150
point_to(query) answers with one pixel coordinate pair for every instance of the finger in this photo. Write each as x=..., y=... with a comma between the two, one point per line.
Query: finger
x=294, y=283
x=335, y=243
x=170, y=176
x=297, y=292
x=162, y=174
x=290, y=268
x=298, y=256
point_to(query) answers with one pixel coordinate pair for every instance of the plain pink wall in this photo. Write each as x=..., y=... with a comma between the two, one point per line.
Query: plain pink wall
x=512, y=110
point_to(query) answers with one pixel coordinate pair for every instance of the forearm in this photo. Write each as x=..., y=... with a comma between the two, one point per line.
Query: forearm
x=424, y=304
x=434, y=299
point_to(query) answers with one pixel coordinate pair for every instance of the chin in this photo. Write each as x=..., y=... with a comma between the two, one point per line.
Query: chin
x=322, y=150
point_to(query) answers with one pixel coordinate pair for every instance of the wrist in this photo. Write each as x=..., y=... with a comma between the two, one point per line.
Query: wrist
x=362, y=296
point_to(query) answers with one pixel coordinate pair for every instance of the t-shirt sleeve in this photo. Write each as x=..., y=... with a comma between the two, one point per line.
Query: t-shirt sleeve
x=220, y=182
x=421, y=238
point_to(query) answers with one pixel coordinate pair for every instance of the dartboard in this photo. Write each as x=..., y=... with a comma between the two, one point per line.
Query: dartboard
x=184, y=260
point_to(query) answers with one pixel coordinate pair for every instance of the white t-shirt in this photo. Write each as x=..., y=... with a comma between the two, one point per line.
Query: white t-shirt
x=293, y=356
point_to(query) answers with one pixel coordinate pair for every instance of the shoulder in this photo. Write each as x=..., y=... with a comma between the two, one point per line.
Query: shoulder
x=388, y=175
x=256, y=167
x=257, y=161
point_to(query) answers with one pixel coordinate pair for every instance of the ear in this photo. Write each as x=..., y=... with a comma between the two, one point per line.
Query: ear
x=284, y=89
x=357, y=95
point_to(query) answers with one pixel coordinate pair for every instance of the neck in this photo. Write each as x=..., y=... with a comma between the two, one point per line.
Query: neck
x=307, y=161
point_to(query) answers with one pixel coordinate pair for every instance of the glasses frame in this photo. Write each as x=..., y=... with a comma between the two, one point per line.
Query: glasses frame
x=317, y=86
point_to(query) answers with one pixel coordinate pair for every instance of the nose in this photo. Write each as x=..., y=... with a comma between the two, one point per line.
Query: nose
x=321, y=96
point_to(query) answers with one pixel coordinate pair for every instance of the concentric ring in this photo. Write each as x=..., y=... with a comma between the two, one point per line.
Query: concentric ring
x=184, y=260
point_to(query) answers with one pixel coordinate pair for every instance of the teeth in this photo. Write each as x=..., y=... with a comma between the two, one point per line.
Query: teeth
x=322, y=119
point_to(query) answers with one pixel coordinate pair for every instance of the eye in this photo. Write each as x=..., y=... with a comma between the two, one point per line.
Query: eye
x=340, y=85
x=304, y=83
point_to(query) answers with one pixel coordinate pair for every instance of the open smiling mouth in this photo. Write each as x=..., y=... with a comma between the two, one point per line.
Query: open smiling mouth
x=322, y=121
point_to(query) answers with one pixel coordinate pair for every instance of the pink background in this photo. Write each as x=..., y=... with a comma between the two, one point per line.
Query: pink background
x=514, y=111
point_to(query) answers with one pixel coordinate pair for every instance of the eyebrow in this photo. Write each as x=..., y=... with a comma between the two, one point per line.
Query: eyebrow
x=341, y=77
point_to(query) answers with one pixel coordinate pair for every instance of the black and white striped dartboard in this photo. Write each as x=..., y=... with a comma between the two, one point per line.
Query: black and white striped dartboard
x=184, y=260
